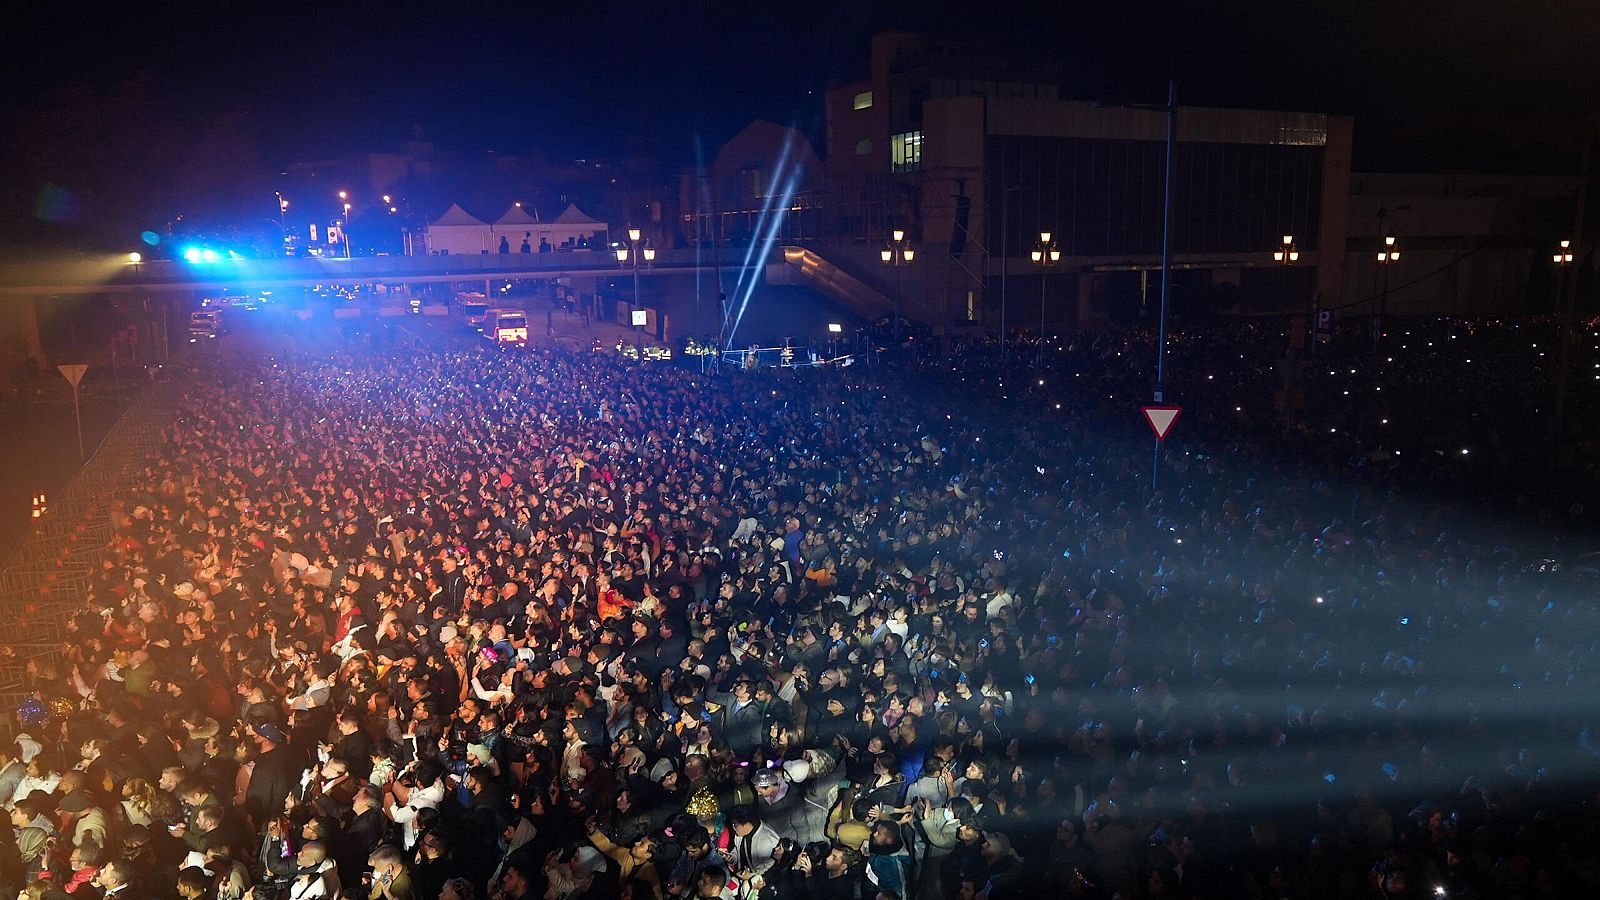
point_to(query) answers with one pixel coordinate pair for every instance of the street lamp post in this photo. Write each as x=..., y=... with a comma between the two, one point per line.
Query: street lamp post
x=1287, y=254
x=1045, y=254
x=283, y=227
x=1565, y=331
x=1388, y=255
x=633, y=250
x=344, y=224
x=897, y=253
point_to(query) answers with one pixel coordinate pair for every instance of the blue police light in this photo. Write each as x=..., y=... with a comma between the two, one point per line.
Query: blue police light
x=209, y=255
x=191, y=254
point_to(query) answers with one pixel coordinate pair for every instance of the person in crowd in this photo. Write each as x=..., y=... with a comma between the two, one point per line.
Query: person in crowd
x=585, y=630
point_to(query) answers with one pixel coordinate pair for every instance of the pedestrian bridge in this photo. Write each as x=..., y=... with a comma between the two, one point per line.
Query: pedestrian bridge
x=91, y=275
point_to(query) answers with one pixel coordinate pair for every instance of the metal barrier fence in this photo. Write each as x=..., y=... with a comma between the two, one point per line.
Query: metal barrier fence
x=47, y=576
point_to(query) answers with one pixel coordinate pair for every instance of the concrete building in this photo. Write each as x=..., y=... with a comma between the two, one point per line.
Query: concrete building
x=1471, y=245
x=974, y=152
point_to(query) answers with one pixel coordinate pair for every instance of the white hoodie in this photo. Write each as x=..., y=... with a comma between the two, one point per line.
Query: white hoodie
x=406, y=816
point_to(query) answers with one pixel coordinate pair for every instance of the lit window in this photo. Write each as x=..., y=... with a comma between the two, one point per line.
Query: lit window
x=863, y=147
x=905, y=152
x=863, y=100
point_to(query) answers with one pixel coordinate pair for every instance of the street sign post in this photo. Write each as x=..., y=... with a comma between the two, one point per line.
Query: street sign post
x=1160, y=419
x=74, y=374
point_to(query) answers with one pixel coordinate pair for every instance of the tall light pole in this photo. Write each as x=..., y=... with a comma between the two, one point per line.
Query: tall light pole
x=1388, y=255
x=1166, y=251
x=1005, y=253
x=897, y=253
x=834, y=329
x=1171, y=110
x=1045, y=254
x=632, y=250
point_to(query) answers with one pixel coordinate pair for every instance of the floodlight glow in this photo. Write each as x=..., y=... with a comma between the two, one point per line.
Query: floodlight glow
x=135, y=257
x=785, y=179
x=192, y=254
x=208, y=255
x=835, y=327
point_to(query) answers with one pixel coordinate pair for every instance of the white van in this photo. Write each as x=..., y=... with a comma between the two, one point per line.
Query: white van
x=205, y=323
x=506, y=327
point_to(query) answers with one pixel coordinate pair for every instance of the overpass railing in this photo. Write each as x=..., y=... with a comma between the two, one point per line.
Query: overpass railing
x=166, y=275
x=47, y=576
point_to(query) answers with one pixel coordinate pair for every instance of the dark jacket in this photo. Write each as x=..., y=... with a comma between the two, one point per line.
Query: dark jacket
x=276, y=773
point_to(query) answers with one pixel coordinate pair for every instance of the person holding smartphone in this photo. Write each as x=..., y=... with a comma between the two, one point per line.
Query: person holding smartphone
x=389, y=878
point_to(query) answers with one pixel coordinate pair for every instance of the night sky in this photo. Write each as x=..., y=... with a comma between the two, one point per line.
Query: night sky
x=307, y=82
x=318, y=79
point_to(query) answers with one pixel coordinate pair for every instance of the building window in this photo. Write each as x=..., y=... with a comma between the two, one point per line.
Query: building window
x=864, y=147
x=905, y=152
x=863, y=100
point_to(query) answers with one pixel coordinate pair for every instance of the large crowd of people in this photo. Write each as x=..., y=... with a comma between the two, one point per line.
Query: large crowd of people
x=430, y=624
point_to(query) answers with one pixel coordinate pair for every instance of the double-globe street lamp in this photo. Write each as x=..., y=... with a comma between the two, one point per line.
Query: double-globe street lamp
x=1388, y=255
x=1565, y=334
x=1045, y=255
x=633, y=250
x=897, y=253
x=1287, y=253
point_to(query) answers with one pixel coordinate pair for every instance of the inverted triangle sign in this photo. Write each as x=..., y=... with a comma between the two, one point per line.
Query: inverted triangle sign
x=1161, y=419
x=73, y=374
